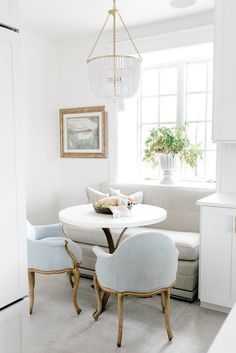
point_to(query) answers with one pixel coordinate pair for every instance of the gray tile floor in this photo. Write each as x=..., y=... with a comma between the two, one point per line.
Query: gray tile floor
x=55, y=328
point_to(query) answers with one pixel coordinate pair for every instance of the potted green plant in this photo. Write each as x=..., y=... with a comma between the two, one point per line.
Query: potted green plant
x=164, y=144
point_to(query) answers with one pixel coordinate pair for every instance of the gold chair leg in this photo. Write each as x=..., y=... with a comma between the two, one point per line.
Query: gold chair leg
x=75, y=289
x=120, y=297
x=70, y=274
x=163, y=301
x=105, y=298
x=166, y=313
x=31, y=277
x=98, y=312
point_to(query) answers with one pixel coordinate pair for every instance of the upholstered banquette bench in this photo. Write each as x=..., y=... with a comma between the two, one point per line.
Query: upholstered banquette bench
x=182, y=225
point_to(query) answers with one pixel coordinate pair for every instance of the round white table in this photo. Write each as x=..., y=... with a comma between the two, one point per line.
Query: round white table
x=85, y=216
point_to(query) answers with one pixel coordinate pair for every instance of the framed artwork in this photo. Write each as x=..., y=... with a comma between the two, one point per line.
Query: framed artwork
x=83, y=132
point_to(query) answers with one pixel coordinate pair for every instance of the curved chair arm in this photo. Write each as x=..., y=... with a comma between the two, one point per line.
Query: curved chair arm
x=70, y=253
x=53, y=255
x=103, y=265
x=99, y=252
x=48, y=231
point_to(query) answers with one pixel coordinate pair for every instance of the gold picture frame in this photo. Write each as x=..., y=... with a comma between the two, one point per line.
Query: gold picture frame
x=83, y=132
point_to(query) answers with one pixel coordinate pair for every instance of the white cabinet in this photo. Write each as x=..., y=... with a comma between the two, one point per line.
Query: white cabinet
x=13, y=328
x=224, y=102
x=13, y=248
x=9, y=13
x=217, y=285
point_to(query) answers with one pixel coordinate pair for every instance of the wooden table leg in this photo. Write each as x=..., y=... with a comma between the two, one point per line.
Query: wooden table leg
x=120, y=237
x=110, y=241
x=105, y=298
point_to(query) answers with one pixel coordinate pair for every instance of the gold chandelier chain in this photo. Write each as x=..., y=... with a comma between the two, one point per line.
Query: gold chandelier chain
x=114, y=45
x=114, y=12
x=127, y=31
x=95, y=44
x=114, y=27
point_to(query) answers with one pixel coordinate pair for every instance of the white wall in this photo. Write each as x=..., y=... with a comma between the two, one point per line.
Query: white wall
x=55, y=76
x=75, y=91
x=226, y=178
x=39, y=83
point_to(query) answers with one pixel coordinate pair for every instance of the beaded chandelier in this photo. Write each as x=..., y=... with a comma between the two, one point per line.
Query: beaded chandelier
x=114, y=76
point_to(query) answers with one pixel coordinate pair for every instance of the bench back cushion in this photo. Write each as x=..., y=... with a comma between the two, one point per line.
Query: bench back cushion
x=179, y=202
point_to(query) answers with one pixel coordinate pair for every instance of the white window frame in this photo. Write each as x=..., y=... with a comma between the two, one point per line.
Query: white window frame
x=181, y=106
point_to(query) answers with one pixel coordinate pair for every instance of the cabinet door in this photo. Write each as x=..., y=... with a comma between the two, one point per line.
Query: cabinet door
x=9, y=13
x=13, y=328
x=233, y=275
x=13, y=255
x=224, y=103
x=216, y=256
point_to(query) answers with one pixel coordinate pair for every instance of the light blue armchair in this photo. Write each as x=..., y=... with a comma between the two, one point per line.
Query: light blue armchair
x=50, y=252
x=143, y=265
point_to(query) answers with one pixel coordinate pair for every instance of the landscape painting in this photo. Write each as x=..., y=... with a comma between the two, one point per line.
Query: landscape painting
x=83, y=132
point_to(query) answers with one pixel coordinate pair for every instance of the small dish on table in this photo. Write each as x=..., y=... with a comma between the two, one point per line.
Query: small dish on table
x=103, y=206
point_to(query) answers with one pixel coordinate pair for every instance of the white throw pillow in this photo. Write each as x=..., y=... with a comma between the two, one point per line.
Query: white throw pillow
x=94, y=195
x=137, y=197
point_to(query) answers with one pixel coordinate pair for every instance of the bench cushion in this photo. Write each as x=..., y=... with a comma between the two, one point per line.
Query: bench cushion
x=186, y=242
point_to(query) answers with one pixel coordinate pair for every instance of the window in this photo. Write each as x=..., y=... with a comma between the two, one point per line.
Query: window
x=176, y=88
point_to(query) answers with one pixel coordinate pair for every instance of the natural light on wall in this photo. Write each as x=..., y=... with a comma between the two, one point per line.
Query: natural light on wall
x=176, y=88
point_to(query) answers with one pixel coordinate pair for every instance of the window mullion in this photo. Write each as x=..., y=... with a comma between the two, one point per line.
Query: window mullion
x=180, y=95
x=139, y=128
x=206, y=109
x=158, y=98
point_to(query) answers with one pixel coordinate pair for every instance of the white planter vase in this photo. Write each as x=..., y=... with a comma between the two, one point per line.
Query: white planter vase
x=167, y=163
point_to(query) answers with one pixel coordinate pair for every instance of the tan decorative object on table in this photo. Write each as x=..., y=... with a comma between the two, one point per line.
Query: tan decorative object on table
x=83, y=132
x=105, y=205
x=120, y=211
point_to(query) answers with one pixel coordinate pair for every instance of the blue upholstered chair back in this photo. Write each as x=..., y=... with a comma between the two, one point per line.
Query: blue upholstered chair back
x=143, y=262
x=44, y=231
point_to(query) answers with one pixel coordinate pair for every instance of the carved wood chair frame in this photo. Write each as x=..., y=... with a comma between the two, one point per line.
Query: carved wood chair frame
x=71, y=272
x=165, y=303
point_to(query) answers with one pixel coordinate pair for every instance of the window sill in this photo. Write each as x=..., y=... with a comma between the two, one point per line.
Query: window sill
x=178, y=184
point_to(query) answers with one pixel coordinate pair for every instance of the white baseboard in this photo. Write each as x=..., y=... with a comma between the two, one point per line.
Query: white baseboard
x=215, y=307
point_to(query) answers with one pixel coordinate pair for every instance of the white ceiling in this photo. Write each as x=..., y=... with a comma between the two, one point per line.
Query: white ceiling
x=61, y=19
